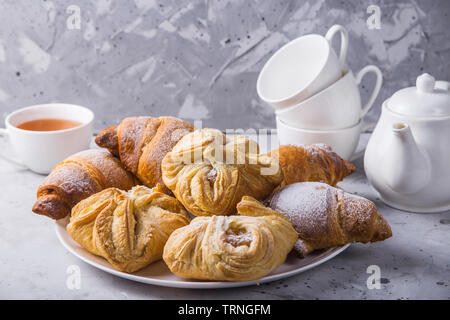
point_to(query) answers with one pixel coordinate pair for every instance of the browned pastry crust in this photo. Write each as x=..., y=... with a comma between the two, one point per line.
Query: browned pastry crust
x=210, y=172
x=107, y=138
x=241, y=247
x=129, y=229
x=325, y=216
x=315, y=162
x=142, y=142
x=78, y=177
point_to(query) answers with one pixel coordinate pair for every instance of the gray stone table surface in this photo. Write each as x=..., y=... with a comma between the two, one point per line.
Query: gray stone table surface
x=414, y=263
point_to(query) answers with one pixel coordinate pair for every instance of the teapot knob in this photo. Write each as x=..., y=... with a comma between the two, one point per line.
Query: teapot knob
x=425, y=83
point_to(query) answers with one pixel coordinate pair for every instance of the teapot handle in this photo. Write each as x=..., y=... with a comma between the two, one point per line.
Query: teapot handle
x=443, y=85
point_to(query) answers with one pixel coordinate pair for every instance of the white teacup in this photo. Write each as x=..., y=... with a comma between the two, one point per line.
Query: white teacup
x=337, y=106
x=342, y=141
x=40, y=151
x=301, y=68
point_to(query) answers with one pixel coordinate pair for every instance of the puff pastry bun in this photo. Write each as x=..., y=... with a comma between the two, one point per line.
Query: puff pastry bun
x=209, y=172
x=231, y=248
x=129, y=229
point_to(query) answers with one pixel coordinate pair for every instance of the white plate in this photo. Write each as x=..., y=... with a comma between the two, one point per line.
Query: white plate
x=158, y=274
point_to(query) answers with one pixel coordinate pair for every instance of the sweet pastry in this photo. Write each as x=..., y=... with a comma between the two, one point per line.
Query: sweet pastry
x=325, y=216
x=315, y=162
x=129, y=229
x=209, y=172
x=142, y=142
x=242, y=247
x=78, y=177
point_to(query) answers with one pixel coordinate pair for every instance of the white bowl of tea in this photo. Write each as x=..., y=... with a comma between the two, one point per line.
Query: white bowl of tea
x=44, y=135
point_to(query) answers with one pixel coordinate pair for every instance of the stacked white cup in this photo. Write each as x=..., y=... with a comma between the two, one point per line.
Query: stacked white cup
x=315, y=97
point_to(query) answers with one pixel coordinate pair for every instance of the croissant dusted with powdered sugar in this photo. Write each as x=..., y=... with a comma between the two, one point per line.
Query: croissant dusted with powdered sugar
x=209, y=172
x=142, y=142
x=325, y=216
x=129, y=229
x=243, y=247
x=78, y=177
x=315, y=162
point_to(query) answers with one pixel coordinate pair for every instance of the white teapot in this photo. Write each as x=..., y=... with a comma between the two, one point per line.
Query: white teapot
x=407, y=159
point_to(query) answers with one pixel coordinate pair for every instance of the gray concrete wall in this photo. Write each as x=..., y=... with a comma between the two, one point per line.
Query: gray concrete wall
x=199, y=59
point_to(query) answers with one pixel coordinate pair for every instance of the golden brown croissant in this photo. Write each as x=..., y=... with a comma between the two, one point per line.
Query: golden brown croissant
x=325, y=216
x=78, y=177
x=142, y=142
x=315, y=162
x=129, y=229
x=231, y=248
x=209, y=172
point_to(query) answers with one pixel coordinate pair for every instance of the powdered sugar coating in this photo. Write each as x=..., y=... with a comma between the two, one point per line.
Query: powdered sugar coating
x=325, y=216
x=73, y=179
x=212, y=175
x=306, y=205
x=319, y=151
x=78, y=177
x=240, y=239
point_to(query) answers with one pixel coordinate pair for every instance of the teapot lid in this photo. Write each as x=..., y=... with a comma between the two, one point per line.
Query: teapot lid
x=429, y=98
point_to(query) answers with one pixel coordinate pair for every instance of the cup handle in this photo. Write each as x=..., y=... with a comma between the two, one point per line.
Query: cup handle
x=376, y=89
x=366, y=127
x=4, y=133
x=368, y=105
x=344, y=42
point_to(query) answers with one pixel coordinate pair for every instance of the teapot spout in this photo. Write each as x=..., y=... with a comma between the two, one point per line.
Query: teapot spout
x=406, y=168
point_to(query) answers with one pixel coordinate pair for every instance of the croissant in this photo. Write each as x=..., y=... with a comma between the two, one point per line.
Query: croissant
x=325, y=216
x=78, y=177
x=315, y=162
x=209, y=172
x=142, y=142
x=231, y=248
x=129, y=229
